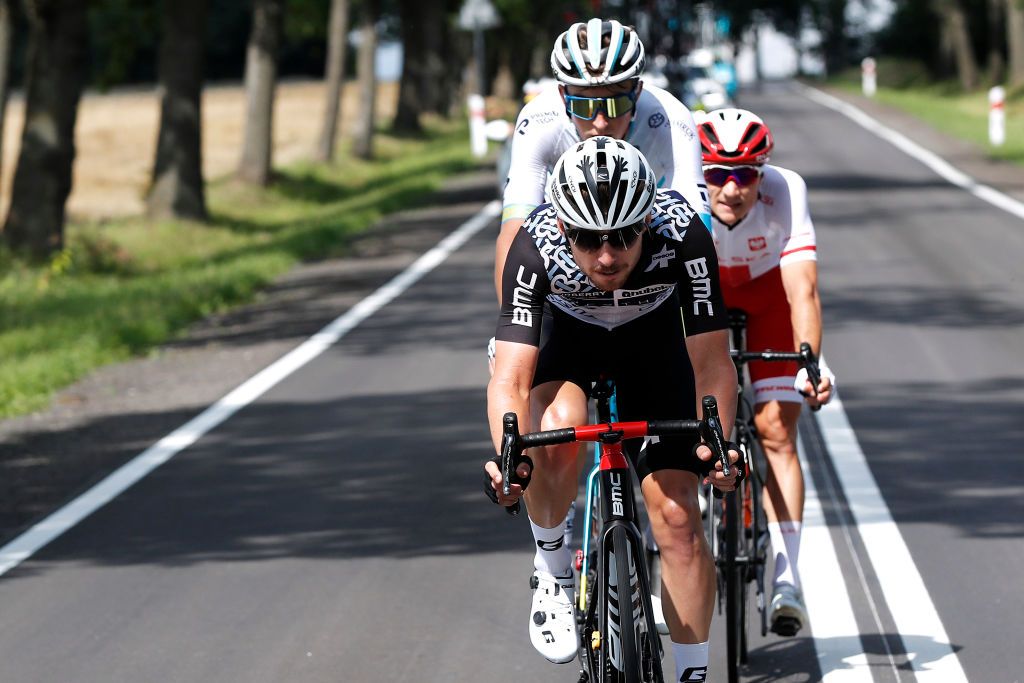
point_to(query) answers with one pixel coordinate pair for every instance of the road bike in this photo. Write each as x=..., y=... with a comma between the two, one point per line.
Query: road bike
x=619, y=642
x=736, y=526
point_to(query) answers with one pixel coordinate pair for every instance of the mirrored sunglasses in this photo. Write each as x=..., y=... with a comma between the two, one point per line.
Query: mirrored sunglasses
x=586, y=108
x=592, y=240
x=720, y=175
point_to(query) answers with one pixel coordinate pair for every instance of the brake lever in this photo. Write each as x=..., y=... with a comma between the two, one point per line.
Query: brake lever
x=810, y=363
x=711, y=434
x=509, y=442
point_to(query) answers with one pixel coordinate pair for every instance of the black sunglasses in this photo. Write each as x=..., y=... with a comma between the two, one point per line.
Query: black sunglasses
x=592, y=240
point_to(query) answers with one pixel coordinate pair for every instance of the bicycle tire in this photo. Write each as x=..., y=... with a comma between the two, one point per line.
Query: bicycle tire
x=631, y=647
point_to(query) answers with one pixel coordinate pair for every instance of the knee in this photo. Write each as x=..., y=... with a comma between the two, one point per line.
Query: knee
x=678, y=528
x=777, y=435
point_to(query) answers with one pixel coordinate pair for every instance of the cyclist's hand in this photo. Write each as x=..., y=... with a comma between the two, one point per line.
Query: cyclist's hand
x=826, y=386
x=493, y=481
x=715, y=476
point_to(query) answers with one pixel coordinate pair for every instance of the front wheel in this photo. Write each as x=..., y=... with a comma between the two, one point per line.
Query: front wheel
x=631, y=649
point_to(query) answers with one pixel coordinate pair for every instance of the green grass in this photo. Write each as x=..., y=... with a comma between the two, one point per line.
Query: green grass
x=960, y=115
x=121, y=288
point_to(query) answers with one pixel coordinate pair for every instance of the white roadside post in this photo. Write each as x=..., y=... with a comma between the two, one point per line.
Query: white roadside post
x=477, y=126
x=997, y=115
x=475, y=16
x=868, y=81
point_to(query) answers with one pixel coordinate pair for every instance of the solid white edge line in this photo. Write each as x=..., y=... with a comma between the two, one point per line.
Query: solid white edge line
x=917, y=621
x=33, y=539
x=920, y=628
x=929, y=159
x=841, y=656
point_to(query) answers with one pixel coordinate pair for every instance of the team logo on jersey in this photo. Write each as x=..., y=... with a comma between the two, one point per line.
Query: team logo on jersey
x=757, y=243
x=521, y=127
x=656, y=120
x=661, y=259
x=687, y=131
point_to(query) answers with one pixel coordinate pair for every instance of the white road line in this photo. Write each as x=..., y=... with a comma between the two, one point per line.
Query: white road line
x=841, y=655
x=920, y=628
x=917, y=620
x=929, y=159
x=28, y=543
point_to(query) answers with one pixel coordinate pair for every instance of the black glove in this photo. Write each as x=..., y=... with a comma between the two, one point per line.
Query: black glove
x=709, y=465
x=515, y=479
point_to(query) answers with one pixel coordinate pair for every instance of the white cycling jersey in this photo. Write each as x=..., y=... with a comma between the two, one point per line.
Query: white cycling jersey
x=776, y=232
x=662, y=129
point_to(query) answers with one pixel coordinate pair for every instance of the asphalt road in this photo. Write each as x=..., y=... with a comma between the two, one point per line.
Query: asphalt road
x=334, y=529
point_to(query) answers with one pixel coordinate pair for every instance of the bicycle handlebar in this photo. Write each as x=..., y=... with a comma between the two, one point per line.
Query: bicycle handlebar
x=805, y=357
x=513, y=443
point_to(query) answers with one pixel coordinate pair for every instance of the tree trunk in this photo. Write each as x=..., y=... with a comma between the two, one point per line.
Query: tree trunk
x=57, y=56
x=362, y=142
x=1015, y=40
x=414, y=79
x=260, y=83
x=955, y=23
x=337, y=41
x=5, y=65
x=177, y=186
x=995, y=64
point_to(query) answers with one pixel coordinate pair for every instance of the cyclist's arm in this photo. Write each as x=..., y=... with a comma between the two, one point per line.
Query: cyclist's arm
x=524, y=285
x=509, y=229
x=800, y=280
x=509, y=388
x=714, y=372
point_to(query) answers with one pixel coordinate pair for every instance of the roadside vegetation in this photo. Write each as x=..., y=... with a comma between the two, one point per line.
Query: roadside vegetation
x=121, y=288
x=944, y=105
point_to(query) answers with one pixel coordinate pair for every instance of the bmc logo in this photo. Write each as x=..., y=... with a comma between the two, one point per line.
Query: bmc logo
x=757, y=243
x=694, y=674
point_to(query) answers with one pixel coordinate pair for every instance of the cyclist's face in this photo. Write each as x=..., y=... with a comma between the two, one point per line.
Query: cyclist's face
x=609, y=266
x=731, y=202
x=601, y=124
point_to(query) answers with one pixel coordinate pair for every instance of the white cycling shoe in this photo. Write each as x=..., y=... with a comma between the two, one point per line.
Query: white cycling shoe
x=788, y=614
x=553, y=617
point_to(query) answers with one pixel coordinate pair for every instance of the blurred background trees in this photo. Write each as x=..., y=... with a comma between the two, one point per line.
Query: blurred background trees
x=50, y=50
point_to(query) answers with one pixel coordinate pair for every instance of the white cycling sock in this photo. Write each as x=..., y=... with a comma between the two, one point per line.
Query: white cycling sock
x=691, y=661
x=785, y=538
x=553, y=554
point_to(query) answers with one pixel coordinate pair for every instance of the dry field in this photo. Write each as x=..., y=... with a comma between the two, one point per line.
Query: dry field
x=115, y=137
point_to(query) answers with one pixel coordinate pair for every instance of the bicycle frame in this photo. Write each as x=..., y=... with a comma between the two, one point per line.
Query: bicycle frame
x=608, y=642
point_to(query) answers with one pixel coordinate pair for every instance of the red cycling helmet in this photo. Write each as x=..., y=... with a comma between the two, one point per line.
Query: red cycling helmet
x=733, y=136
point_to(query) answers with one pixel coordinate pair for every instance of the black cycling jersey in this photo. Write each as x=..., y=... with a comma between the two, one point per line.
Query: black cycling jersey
x=678, y=257
x=634, y=335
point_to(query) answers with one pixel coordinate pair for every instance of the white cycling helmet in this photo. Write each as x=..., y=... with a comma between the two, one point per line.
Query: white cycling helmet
x=597, y=53
x=602, y=184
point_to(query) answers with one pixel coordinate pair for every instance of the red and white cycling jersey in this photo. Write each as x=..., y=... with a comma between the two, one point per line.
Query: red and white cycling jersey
x=751, y=254
x=777, y=231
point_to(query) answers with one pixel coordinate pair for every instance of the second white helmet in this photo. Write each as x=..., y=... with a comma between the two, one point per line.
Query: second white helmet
x=597, y=53
x=602, y=184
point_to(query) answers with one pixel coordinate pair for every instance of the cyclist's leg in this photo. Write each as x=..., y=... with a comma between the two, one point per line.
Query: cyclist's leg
x=776, y=412
x=687, y=568
x=552, y=624
x=557, y=400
